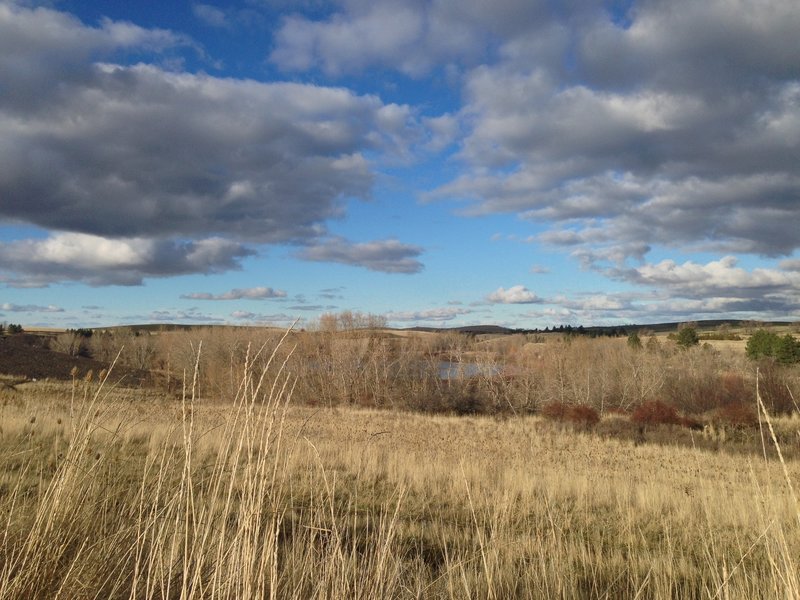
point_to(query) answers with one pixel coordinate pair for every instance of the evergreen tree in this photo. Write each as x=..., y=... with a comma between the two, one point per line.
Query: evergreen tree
x=633, y=341
x=687, y=337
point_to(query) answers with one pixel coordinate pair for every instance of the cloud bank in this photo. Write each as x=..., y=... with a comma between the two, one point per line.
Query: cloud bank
x=97, y=261
x=125, y=152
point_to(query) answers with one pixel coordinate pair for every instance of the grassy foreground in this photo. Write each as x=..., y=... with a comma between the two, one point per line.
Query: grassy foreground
x=109, y=493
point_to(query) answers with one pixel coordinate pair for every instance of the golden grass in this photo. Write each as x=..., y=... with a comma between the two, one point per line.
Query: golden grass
x=114, y=493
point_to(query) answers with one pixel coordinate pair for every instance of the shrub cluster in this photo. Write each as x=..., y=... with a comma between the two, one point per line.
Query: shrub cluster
x=582, y=416
x=453, y=372
x=766, y=344
x=738, y=414
x=657, y=412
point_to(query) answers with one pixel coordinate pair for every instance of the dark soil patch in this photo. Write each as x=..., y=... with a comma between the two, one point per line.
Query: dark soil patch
x=28, y=356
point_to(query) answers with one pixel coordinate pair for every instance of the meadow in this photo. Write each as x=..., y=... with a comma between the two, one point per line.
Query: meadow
x=341, y=464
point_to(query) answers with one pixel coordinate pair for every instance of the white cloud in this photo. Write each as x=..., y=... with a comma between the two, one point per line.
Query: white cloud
x=517, y=294
x=210, y=15
x=100, y=261
x=721, y=278
x=30, y=308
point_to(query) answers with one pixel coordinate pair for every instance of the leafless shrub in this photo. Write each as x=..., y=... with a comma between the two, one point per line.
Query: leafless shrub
x=70, y=343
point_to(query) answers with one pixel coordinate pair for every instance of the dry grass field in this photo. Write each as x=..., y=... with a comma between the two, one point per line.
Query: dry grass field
x=111, y=492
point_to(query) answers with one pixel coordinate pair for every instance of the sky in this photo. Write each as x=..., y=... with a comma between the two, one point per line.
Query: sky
x=525, y=163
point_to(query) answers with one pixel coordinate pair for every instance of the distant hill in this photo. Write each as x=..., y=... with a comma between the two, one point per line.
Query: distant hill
x=478, y=329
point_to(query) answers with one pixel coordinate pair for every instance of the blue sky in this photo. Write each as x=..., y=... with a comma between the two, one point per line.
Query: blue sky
x=526, y=163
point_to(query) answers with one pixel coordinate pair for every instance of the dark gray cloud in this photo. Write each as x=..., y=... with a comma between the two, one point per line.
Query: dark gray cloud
x=387, y=256
x=709, y=45
x=256, y=293
x=45, y=54
x=100, y=261
x=142, y=151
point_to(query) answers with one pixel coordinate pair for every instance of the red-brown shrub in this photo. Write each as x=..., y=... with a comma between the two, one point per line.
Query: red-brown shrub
x=655, y=412
x=583, y=415
x=738, y=414
x=555, y=411
x=580, y=415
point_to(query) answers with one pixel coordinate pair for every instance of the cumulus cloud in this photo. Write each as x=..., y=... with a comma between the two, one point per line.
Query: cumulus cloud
x=30, y=308
x=97, y=260
x=517, y=294
x=256, y=293
x=432, y=314
x=146, y=157
x=670, y=291
x=43, y=50
x=679, y=127
x=720, y=278
x=139, y=151
x=412, y=37
x=387, y=256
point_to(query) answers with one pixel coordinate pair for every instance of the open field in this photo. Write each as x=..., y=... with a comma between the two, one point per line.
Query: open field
x=143, y=499
x=241, y=484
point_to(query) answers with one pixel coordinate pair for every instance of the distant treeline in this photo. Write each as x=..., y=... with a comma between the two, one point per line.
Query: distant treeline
x=719, y=325
x=10, y=328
